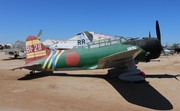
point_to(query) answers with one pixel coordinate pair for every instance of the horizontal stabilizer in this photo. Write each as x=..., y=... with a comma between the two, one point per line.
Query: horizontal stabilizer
x=30, y=67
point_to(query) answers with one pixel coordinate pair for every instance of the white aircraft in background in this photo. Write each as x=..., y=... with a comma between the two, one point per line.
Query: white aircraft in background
x=82, y=40
x=167, y=52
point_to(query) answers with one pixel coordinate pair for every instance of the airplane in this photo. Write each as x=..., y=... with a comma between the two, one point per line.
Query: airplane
x=175, y=48
x=82, y=40
x=17, y=47
x=1, y=46
x=5, y=46
x=146, y=43
x=110, y=53
x=167, y=51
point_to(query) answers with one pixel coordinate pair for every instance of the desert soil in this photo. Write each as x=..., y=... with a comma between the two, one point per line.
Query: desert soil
x=90, y=90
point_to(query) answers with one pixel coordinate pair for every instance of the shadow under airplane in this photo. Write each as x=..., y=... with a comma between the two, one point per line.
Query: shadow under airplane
x=163, y=76
x=12, y=58
x=142, y=94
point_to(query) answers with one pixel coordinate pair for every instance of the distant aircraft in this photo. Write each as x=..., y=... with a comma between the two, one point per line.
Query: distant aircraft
x=167, y=52
x=19, y=46
x=82, y=40
x=174, y=48
x=1, y=46
x=110, y=53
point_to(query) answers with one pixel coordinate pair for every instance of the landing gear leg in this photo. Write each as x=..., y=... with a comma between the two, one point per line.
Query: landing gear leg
x=16, y=54
x=32, y=72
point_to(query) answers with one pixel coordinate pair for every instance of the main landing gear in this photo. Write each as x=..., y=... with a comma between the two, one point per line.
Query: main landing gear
x=128, y=73
x=16, y=54
x=32, y=72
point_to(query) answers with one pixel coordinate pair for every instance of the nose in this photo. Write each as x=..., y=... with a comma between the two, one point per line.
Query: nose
x=152, y=47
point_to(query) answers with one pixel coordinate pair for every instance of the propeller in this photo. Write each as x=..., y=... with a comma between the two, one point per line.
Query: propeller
x=149, y=34
x=158, y=31
x=159, y=37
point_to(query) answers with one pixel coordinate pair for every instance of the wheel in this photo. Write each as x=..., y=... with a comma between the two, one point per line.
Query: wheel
x=15, y=56
x=32, y=72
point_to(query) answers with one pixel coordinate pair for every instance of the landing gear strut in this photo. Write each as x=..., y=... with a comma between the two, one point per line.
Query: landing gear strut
x=32, y=72
x=16, y=54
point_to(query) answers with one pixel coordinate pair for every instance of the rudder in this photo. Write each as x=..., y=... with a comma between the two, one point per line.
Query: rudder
x=35, y=50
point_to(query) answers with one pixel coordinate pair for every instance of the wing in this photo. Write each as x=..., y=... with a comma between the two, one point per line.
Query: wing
x=7, y=50
x=30, y=67
x=118, y=59
x=11, y=50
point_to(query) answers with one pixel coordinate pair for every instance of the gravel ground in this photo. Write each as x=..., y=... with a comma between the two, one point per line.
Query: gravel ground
x=89, y=90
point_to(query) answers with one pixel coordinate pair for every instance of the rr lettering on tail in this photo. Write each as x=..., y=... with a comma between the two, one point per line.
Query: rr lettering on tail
x=81, y=42
x=84, y=38
x=81, y=39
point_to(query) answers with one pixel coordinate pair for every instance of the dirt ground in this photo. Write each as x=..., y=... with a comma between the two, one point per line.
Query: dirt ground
x=90, y=90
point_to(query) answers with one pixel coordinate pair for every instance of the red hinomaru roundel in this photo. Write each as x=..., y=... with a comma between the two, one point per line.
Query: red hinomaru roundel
x=72, y=58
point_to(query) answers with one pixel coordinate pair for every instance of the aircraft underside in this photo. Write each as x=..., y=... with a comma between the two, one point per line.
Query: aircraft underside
x=129, y=72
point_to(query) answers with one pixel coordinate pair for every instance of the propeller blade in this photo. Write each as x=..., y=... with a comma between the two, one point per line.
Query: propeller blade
x=149, y=34
x=166, y=55
x=158, y=31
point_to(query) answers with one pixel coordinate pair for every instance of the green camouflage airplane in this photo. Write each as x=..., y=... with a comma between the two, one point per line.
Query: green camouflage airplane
x=109, y=53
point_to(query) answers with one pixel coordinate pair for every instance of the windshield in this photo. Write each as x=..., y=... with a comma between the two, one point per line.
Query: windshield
x=123, y=40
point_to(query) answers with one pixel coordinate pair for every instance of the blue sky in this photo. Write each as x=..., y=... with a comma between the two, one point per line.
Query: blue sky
x=62, y=19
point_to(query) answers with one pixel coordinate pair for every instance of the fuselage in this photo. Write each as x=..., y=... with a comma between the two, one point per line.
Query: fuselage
x=82, y=57
x=20, y=45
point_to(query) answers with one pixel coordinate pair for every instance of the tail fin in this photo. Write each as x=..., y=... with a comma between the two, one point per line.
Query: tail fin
x=149, y=34
x=84, y=38
x=89, y=35
x=39, y=34
x=35, y=50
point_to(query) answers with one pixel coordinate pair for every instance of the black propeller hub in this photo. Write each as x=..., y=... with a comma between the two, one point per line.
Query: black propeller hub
x=151, y=45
